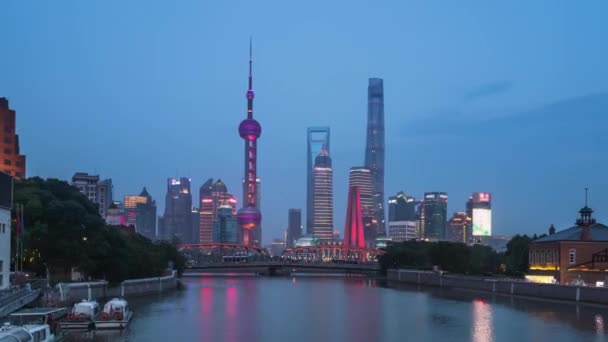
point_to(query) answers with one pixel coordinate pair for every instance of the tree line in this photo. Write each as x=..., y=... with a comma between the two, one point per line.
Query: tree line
x=63, y=231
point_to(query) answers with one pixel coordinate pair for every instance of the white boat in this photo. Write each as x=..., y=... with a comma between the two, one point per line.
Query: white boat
x=115, y=315
x=81, y=317
x=26, y=333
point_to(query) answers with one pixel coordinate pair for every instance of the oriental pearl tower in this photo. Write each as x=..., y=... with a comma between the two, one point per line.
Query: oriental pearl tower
x=249, y=216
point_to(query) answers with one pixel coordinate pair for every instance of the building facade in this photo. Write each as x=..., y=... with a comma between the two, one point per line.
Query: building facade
x=479, y=209
x=12, y=162
x=459, y=228
x=212, y=197
x=140, y=211
x=323, y=203
x=116, y=215
x=225, y=227
x=354, y=235
x=374, y=150
x=316, y=138
x=294, y=227
x=361, y=177
x=401, y=207
x=402, y=230
x=178, y=205
x=577, y=255
x=98, y=192
x=435, y=215
x=6, y=204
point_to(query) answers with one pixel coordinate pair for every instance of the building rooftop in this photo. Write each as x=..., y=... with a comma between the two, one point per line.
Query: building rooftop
x=598, y=232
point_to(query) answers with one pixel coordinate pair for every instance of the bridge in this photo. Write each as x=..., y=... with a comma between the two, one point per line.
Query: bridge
x=272, y=268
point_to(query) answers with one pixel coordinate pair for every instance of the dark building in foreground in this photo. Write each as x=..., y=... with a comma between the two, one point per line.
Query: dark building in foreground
x=176, y=222
x=374, y=149
x=435, y=215
x=11, y=160
x=576, y=255
x=294, y=227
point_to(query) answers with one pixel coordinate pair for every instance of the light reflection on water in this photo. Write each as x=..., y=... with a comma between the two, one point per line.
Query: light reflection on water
x=304, y=308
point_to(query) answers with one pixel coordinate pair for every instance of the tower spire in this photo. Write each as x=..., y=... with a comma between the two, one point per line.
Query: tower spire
x=250, y=94
x=586, y=193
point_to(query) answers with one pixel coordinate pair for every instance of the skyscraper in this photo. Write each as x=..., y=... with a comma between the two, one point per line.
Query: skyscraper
x=459, y=227
x=401, y=207
x=98, y=192
x=225, y=228
x=11, y=161
x=435, y=215
x=249, y=216
x=316, y=138
x=294, y=227
x=141, y=213
x=353, y=228
x=361, y=178
x=374, y=150
x=212, y=196
x=480, y=205
x=323, y=204
x=178, y=205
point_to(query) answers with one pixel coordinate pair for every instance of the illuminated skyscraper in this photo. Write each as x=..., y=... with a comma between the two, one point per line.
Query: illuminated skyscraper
x=225, y=227
x=11, y=161
x=178, y=205
x=294, y=227
x=323, y=204
x=212, y=197
x=249, y=216
x=353, y=228
x=401, y=207
x=316, y=138
x=141, y=213
x=459, y=227
x=435, y=215
x=480, y=207
x=374, y=150
x=361, y=178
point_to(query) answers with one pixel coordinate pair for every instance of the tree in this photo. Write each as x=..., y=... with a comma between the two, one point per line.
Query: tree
x=516, y=256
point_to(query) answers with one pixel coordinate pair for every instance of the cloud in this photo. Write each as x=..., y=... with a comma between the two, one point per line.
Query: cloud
x=488, y=89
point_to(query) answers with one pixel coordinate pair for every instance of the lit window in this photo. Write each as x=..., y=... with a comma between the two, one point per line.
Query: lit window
x=572, y=256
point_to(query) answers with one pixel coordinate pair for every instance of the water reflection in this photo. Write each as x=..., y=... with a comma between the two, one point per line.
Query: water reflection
x=482, y=325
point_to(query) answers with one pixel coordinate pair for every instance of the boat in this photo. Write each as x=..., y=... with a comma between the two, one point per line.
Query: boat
x=49, y=316
x=81, y=317
x=26, y=333
x=115, y=315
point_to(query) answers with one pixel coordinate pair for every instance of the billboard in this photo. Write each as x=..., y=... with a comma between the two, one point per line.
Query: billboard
x=6, y=190
x=482, y=222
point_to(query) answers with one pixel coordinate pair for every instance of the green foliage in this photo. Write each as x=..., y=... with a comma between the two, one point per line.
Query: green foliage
x=63, y=229
x=516, y=256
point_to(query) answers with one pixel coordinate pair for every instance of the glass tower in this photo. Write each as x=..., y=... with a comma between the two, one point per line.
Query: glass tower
x=435, y=215
x=317, y=137
x=323, y=207
x=374, y=150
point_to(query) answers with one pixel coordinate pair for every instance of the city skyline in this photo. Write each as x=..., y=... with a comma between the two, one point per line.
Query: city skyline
x=490, y=105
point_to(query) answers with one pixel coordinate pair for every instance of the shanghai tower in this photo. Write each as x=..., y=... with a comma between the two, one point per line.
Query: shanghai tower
x=249, y=216
x=374, y=149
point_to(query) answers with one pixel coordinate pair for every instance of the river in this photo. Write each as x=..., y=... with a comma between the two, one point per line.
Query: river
x=310, y=308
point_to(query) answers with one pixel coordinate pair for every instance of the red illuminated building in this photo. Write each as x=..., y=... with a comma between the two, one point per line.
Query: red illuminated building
x=353, y=229
x=212, y=196
x=11, y=161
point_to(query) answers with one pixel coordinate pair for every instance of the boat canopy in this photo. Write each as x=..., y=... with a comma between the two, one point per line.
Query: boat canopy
x=115, y=304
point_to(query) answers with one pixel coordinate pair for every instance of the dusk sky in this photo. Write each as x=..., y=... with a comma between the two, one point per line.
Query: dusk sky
x=511, y=99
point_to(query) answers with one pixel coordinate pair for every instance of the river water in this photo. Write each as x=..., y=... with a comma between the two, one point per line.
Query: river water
x=310, y=308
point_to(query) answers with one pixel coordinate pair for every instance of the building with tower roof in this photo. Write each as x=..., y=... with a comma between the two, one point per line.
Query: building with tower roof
x=323, y=203
x=213, y=195
x=576, y=255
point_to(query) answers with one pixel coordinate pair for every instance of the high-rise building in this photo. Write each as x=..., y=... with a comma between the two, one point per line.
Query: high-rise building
x=11, y=161
x=249, y=216
x=6, y=204
x=401, y=207
x=115, y=215
x=140, y=212
x=178, y=205
x=212, y=196
x=98, y=192
x=361, y=178
x=225, y=227
x=402, y=230
x=353, y=228
x=480, y=206
x=374, y=150
x=316, y=138
x=435, y=215
x=294, y=227
x=459, y=228
x=195, y=220
x=323, y=203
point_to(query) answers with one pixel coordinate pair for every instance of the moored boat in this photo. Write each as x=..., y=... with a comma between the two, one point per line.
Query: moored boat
x=26, y=333
x=81, y=317
x=115, y=315
x=37, y=316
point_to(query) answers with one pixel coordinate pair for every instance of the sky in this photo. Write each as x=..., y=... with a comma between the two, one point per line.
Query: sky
x=509, y=98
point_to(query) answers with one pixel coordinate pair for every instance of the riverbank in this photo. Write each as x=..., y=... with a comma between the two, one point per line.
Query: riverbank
x=515, y=287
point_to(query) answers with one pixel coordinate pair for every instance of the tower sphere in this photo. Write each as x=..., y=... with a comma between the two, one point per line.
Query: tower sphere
x=250, y=129
x=250, y=94
x=249, y=215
